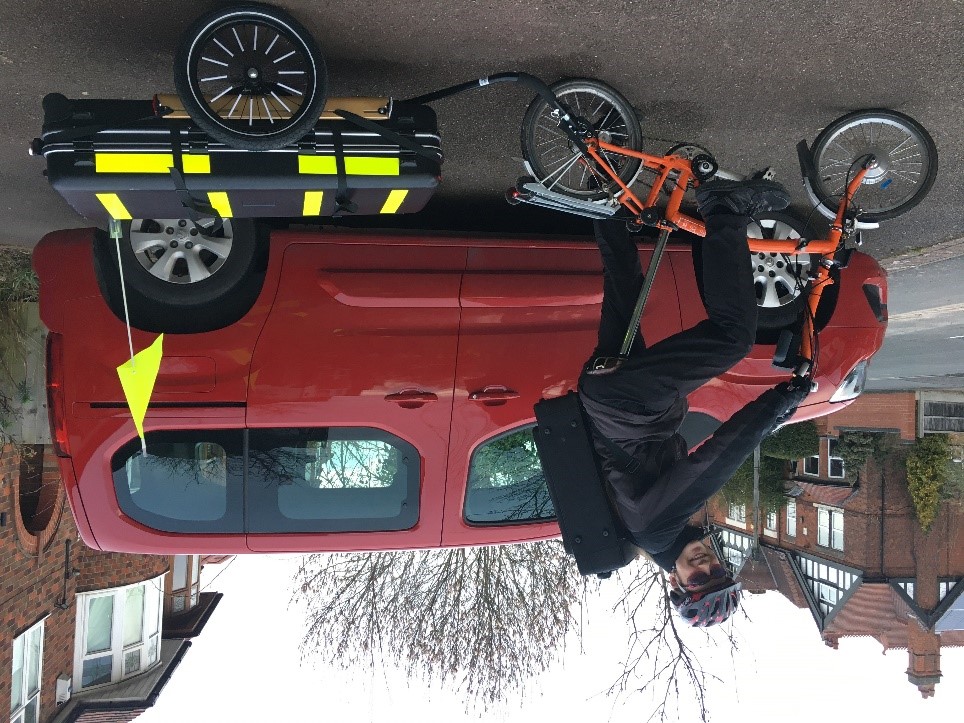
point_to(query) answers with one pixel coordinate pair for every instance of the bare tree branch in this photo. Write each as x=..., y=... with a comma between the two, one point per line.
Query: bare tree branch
x=485, y=619
x=660, y=656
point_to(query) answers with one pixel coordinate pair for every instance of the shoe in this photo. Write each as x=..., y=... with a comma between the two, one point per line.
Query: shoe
x=740, y=198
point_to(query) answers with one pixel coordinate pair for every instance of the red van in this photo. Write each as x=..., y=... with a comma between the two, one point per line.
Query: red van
x=359, y=390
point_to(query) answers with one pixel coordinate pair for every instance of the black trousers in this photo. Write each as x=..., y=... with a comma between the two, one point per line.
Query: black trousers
x=658, y=375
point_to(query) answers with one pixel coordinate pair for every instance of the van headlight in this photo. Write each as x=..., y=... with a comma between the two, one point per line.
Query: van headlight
x=852, y=385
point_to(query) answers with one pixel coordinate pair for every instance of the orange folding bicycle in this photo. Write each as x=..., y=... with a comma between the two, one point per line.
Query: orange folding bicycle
x=581, y=144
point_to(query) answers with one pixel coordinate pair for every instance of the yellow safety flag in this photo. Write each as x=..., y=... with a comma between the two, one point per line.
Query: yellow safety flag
x=137, y=377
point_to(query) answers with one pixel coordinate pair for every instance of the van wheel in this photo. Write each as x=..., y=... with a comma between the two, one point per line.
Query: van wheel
x=181, y=278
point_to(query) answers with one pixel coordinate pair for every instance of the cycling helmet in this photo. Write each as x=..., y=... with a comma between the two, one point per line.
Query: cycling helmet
x=703, y=609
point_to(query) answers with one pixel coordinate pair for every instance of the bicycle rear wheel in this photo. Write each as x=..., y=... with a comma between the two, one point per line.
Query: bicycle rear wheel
x=906, y=157
x=556, y=163
x=251, y=77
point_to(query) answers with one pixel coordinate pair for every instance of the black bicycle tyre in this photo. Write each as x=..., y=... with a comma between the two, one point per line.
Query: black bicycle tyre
x=627, y=172
x=260, y=138
x=889, y=117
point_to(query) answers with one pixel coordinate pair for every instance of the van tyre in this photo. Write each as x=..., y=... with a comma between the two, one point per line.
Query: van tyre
x=178, y=290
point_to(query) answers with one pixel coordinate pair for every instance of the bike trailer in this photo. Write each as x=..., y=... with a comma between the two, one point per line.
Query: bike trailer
x=591, y=531
x=145, y=159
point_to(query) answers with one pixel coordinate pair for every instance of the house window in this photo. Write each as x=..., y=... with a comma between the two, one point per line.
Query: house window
x=944, y=587
x=830, y=528
x=737, y=513
x=184, y=582
x=27, y=664
x=836, y=465
x=811, y=465
x=792, y=518
x=735, y=548
x=827, y=583
x=118, y=633
x=771, y=524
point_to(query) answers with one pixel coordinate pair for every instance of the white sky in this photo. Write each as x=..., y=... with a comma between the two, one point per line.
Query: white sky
x=245, y=666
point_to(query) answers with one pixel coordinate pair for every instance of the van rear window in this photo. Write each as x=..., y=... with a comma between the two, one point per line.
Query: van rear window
x=189, y=481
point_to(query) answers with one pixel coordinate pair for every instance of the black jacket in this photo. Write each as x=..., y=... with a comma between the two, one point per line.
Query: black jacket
x=656, y=502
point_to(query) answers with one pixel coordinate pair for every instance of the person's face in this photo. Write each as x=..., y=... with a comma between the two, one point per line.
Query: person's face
x=697, y=568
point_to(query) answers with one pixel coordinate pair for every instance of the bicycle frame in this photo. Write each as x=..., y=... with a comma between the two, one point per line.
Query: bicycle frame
x=673, y=219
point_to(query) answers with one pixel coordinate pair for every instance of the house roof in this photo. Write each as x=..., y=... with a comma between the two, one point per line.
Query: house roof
x=833, y=495
x=786, y=582
x=771, y=571
x=876, y=610
x=189, y=624
x=124, y=701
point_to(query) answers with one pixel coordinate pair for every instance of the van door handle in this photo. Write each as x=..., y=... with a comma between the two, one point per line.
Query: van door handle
x=494, y=395
x=411, y=398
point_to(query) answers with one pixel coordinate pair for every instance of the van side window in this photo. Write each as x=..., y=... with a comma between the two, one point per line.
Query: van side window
x=330, y=480
x=506, y=483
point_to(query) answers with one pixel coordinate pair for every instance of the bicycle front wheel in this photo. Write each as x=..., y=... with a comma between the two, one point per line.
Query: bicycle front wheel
x=251, y=77
x=906, y=158
x=557, y=163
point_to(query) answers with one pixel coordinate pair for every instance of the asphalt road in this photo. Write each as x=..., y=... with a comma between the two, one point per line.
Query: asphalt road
x=747, y=80
x=924, y=344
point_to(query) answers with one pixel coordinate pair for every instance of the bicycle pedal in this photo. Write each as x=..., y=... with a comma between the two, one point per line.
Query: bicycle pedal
x=766, y=174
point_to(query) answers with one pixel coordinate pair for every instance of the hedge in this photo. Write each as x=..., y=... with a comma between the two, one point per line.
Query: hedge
x=927, y=476
x=793, y=441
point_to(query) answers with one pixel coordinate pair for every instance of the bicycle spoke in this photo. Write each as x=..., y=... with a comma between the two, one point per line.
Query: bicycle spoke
x=236, y=101
x=906, y=174
x=562, y=169
x=283, y=105
x=222, y=93
x=223, y=47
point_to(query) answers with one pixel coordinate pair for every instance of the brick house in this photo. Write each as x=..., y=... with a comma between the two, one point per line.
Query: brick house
x=855, y=557
x=84, y=635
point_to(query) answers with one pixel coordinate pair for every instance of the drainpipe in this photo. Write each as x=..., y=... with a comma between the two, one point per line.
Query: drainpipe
x=883, y=483
x=69, y=572
x=756, y=503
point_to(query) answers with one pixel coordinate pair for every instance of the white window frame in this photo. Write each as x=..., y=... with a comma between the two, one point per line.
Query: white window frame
x=18, y=709
x=830, y=534
x=771, y=529
x=150, y=632
x=738, y=520
x=832, y=444
x=190, y=587
x=792, y=518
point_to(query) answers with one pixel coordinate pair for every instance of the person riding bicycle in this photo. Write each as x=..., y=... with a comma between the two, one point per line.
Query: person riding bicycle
x=636, y=409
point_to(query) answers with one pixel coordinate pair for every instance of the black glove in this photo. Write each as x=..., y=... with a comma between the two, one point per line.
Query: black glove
x=794, y=391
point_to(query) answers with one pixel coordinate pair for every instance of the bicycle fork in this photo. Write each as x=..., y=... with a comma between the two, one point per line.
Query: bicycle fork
x=608, y=364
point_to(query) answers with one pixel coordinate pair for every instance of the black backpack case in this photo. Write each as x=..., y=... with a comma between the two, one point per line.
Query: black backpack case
x=591, y=531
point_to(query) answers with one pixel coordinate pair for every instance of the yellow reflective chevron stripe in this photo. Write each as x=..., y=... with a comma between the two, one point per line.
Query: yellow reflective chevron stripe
x=149, y=163
x=114, y=206
x=354, y=165
x=394, y=200
x=312, y=205
x=219, y=200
